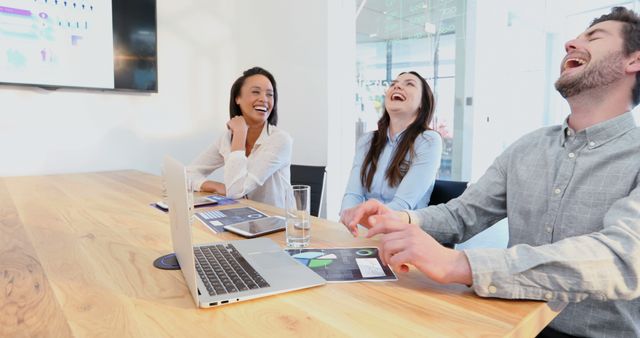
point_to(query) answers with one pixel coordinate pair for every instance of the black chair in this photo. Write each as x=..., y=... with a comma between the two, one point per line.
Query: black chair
x=313, y=176
x=443, y=191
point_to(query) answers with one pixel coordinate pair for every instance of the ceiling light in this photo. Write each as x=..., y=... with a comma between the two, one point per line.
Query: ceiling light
x=373, y=35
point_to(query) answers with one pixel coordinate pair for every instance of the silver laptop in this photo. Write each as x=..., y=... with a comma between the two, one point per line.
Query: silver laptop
x=225, y=272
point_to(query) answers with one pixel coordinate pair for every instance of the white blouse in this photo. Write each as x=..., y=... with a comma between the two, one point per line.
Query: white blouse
x=263, y=176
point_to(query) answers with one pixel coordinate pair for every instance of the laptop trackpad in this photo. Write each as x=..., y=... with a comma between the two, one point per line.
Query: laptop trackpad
x=271, y=260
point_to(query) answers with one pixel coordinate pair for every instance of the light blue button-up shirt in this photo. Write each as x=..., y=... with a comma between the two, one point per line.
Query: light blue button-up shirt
x=416, y=186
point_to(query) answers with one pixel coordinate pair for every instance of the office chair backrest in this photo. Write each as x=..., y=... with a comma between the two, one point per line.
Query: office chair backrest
x=313, y=176
x=443, y=191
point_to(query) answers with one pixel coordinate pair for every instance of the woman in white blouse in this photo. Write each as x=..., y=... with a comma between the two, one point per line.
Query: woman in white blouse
x=256, y=155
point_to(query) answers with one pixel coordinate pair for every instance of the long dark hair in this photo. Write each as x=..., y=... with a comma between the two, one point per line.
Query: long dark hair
x=234, y=108
x=398, y=166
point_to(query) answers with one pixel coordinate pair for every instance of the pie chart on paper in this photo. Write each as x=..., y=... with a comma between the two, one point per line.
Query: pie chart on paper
x=315, y=259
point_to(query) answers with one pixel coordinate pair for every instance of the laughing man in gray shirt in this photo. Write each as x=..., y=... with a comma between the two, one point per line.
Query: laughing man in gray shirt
x=571, y=194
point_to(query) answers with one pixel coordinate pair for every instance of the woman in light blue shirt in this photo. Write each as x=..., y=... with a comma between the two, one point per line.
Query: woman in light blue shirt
x=398, y=163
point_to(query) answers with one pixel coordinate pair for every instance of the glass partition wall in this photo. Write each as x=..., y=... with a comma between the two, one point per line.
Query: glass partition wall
x=396, y=36
x=491, y=64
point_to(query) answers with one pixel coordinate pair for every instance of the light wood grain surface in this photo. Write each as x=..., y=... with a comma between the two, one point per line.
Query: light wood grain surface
x=76, y=255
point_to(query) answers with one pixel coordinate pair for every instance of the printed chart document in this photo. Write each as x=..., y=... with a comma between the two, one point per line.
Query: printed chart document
x=221, y=200
x=199, y=202
x=340, y=265
x=217, y=219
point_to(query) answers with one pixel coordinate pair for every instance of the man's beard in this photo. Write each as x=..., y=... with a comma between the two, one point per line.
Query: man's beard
x=599, y=74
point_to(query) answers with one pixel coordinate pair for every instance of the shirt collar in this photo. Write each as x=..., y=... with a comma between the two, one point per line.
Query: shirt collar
x=602, y=132
x=395, y=139
x=566, y=132
x=266, y=131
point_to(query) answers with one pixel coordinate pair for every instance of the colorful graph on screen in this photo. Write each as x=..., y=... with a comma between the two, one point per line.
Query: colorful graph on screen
x=57, y=42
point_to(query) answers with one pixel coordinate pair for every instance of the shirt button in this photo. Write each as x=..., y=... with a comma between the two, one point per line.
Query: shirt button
x=548, y=229
x=492, y=289
x=592, y=143
x=572, y=155
x=557, y=191
x=548, y=296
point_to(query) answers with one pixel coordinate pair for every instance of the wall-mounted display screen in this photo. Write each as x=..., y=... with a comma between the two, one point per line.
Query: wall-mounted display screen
x=101, y=44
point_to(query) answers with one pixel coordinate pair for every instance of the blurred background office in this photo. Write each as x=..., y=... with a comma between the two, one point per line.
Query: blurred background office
x=491, y=63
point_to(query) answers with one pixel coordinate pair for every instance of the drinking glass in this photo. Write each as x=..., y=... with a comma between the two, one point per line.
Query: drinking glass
x=297, y=205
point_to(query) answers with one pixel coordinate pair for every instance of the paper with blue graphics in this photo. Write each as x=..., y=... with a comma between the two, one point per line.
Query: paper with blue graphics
x=339, y=265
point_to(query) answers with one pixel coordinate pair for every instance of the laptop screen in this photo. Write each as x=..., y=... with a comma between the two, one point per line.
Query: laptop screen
x=176, y=181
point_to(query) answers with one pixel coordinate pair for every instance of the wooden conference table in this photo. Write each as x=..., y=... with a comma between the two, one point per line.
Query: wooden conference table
x=76, y=255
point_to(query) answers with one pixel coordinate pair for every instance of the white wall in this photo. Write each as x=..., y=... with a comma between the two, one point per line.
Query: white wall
x=509, y=77
x=342, y=104
x=203, y=46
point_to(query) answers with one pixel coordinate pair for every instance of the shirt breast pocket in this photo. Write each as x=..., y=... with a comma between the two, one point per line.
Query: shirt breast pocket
x=595, y=202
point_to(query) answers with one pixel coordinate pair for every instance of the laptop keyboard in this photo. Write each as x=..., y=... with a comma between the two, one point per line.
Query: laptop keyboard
x=223, y=270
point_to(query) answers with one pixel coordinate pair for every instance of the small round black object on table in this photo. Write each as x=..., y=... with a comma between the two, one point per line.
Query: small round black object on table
x=167, y=262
